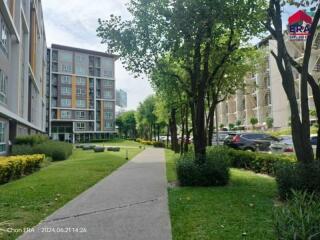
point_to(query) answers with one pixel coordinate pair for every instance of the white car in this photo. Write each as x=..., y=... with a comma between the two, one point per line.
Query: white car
x=285, y=145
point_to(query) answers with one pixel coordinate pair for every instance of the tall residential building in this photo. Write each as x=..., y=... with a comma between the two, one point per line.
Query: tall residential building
x=81, y=94
x=22, y=69
x=264, y=95
x=121, y=98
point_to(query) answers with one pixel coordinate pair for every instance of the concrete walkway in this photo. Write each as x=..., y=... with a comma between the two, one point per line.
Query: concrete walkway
x=131, y=203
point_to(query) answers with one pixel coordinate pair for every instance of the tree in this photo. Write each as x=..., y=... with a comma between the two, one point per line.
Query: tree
x=238, y=123
x=254, y=121
x=197, y=34
x=126, y=123
x=269, y=122
x=146, y=119
x=300, y=125
x=231, y=126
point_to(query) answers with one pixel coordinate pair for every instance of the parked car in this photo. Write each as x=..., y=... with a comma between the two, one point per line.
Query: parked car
x=314, y=141
x=285, y=145
x=221, y=137
x=250, y=141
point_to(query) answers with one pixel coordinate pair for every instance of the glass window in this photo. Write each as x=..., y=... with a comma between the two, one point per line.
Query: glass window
x=109, y=115
x=81, y=81
x=108, y=105
x=65, y=102
x=80, y=114
x=81, y=91
x=3, y=87
x=108, y=94
x=108, y=124
x=65, y=79
x=80, y=70
x=108, y=83
x=66, y=91
x=81, y=103
x=65, y=114
x=66, y=68
x=65, y=56
x=2, y=137
x=53, y=103
x=80, y=126
x=4, y=36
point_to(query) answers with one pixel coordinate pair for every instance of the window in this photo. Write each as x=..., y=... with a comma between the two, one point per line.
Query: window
x=81, y=81
x=80, y=70
x=81, y=91
x=66, y=91
x=3, y=87
x=65, y=114
x=66, y=68
x=65, y=102
x=108, y=105
x=80, y=114
x=109, y=115
x=80, y=126
x=2, y=137
x=4, y=35
x=66, y=56
x=65, y=79
x=81, y=103
x=108, y=124
x=108, y=94
x=53, y=103
x=108, y=83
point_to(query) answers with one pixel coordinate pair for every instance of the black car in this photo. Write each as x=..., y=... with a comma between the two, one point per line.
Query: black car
x=250, y=141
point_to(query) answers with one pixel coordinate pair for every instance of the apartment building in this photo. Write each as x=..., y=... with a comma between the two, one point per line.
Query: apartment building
x=264, y=95
x=121, y=98
x=22, y=70
x=82, y=95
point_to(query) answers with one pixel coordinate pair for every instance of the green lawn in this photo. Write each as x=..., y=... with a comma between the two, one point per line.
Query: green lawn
x=241, y=210
x=23, y=203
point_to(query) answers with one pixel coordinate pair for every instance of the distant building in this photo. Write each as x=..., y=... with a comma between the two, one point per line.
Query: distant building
x=121, y=98
x=264, y=95
x=22, y=70
x=81, y=94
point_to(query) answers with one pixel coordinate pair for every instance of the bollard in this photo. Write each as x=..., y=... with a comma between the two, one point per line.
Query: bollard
x=127, y=157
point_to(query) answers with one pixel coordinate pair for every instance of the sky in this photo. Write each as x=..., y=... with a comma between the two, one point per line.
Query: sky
x=74, y=23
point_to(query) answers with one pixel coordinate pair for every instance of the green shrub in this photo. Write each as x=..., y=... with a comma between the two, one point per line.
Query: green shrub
x=256, y=161
x=214, y=172
x=113, y=149
x=159, y=145
x=56, y=150
x=22, y=149
x=31, y=139
x=298, y=219
x=298, y=177
x=99, y=149
x=14, y=167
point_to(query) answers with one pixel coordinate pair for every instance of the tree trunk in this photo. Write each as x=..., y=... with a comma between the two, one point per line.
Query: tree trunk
x=186, y=145
x=182, y=132
x=168, y=133
x=211, y=128
x=173, y=130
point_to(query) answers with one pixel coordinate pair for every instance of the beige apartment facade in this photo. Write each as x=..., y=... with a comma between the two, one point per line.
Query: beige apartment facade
x=263, y=96
x=22, y=70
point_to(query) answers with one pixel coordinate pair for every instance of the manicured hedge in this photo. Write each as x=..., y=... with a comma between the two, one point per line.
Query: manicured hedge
x=16, y=166
x=54, y=149
x=31, y=139
x=256, y=161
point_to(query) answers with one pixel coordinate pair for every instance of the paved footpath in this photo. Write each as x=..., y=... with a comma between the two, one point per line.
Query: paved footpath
x=129, y=204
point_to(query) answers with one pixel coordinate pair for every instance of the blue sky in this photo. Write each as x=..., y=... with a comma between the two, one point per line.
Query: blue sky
x=74, y=23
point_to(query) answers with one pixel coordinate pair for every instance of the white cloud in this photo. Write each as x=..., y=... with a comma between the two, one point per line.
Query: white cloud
x=74, y=23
